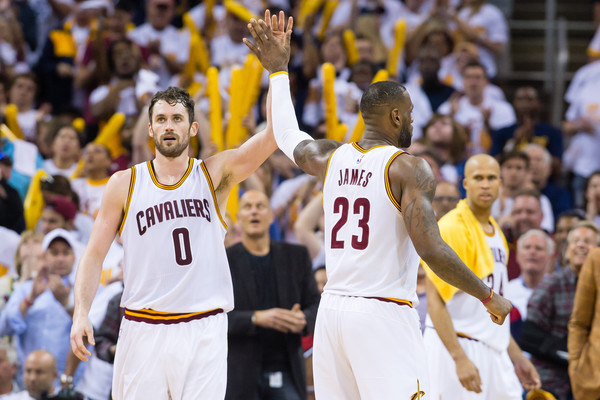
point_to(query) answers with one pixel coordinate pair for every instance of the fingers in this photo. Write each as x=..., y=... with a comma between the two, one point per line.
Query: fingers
x=264, y=30
x=472, y=383
x=253, y=27
x=89, y=334
x=281, y=21
x=78, y=347
x=290, y=25
x=252, y=47
x=268, y=17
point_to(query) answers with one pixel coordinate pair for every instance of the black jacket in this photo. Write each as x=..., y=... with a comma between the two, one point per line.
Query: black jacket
x=295, y=284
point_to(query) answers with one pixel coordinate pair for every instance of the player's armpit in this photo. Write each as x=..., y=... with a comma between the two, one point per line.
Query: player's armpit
x=312, y=156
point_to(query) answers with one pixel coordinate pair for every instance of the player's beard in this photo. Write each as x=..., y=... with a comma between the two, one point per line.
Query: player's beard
x=172, y=151
x=405, y=136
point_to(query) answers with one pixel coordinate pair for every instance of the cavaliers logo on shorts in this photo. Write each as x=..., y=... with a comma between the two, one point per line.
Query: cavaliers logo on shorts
x=418, y=394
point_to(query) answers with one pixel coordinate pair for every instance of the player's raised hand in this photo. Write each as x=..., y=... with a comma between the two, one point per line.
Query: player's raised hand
x=271, y=41
x=499, y=308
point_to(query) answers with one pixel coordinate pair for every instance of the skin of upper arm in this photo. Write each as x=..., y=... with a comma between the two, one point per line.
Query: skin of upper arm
x=230, y=167
x=312, y=156
x=413, y=184
x=110, y=214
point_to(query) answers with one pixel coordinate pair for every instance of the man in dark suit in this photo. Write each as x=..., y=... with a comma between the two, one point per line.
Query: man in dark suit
x=276, y=300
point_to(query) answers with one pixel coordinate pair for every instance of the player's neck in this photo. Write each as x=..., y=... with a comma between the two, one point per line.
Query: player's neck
x=481, y=214
x=372, y=138
x=168, y=170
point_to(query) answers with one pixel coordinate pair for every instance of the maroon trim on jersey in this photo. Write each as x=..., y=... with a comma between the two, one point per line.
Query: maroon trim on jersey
x=388, y=300
x=150, y=317
x=129, y=194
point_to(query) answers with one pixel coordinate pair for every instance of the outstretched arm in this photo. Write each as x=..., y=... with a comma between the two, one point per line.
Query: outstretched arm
x=413, y=184
x=272, y=47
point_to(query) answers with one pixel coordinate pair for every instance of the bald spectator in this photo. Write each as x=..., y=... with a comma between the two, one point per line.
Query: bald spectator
x=540, y=169
x=549, y=310
x=39, y=375
x=535, y=254
x=445, y=199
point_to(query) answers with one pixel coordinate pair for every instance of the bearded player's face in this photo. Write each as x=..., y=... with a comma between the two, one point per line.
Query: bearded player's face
x=171, y=129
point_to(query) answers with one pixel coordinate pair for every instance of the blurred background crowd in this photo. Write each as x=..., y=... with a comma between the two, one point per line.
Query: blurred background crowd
x=517, y=81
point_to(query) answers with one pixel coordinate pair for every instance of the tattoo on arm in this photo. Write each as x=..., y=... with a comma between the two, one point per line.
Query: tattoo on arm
x=418, y=213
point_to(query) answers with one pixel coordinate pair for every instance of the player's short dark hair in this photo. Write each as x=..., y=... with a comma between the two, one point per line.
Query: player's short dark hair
x=172, y=96
x=509, y=155
x=381, y=94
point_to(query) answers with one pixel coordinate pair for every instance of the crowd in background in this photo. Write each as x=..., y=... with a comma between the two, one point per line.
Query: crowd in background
x=75, y=81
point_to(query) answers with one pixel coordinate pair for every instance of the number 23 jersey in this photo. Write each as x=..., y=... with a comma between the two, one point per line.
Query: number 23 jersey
x=368, y=250
x=175, y=260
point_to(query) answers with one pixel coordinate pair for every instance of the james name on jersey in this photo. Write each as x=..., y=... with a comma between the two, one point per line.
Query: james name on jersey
x=354, y=176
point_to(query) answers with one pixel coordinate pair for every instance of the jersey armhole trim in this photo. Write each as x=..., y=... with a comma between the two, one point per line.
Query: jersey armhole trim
x=212, y=191
x=174, y=186
x=388, y=186
x=129, y=194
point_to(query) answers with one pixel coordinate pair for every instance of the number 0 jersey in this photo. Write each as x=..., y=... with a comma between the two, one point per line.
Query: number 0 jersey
x=175, y=260
x=368, y=250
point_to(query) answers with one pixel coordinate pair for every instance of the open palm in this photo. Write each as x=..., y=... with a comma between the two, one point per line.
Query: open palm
x=271, y=41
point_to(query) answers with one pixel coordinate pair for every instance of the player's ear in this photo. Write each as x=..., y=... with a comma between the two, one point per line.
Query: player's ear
x=150, y=131
x=396, y=117
x=194, y=127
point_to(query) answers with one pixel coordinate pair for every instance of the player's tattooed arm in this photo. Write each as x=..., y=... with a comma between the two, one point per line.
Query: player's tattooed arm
x=312, y=156
x=413, y=185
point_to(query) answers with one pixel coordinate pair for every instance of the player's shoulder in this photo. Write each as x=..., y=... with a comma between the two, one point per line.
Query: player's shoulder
x=405, y=163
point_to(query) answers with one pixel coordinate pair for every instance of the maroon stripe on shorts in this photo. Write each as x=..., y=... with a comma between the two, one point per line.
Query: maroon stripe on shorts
x=156, y=319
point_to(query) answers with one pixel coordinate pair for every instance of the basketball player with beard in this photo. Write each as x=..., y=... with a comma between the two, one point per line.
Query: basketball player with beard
x=177, y=286
x=378, y=223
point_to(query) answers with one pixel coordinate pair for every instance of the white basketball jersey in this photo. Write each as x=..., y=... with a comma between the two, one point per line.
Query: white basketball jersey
x=468, y=315
x=368, y=250
x=175, y=260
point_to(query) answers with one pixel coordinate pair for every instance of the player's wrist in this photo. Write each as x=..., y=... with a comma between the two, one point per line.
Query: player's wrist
x=489, y=298
x=276, y=72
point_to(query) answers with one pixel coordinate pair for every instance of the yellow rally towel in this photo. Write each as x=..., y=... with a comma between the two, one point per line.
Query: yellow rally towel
x=463, y=232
